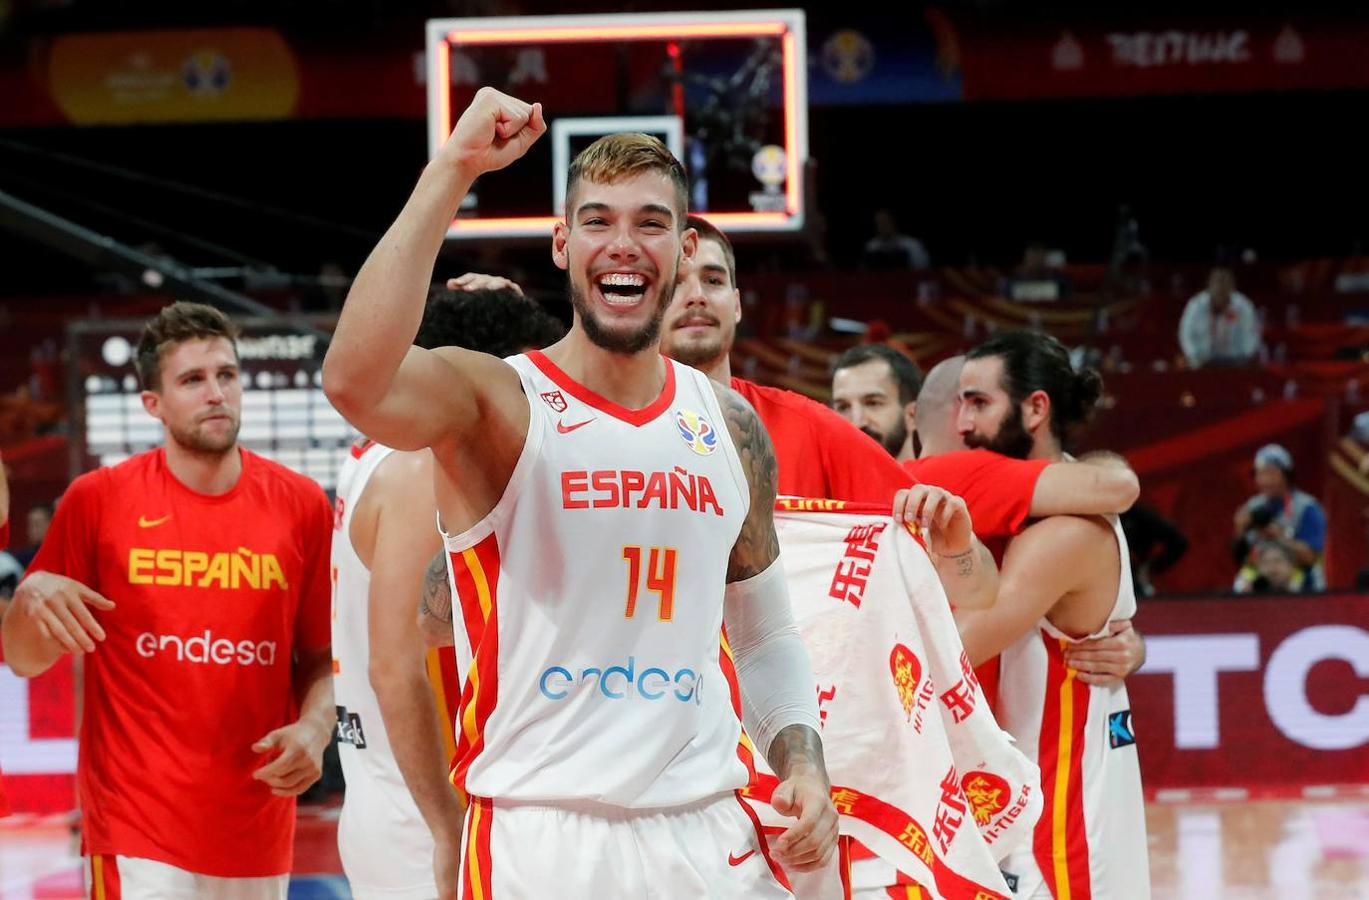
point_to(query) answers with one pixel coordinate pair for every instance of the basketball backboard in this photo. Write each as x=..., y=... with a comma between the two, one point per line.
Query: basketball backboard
x=727, y=91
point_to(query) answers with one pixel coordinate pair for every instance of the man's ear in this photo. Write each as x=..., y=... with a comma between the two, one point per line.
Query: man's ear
x=1036, y=410
x=152, y=402
x=560, y=234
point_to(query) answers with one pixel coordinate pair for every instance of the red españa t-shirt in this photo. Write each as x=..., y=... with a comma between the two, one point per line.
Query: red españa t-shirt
x=997, y=489
x=819, y=453
x=213, y=596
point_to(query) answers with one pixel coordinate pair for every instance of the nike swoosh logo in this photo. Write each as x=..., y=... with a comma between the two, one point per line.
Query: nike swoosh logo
x=734, y=860
x=563, y=428
x=144, y=522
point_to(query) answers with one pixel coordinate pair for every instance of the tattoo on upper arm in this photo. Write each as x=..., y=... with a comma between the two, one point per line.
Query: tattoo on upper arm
x=795, y=744
x=436, y=602
x=757, y=546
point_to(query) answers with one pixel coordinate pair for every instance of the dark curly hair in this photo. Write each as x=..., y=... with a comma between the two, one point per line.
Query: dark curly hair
x=499, y=322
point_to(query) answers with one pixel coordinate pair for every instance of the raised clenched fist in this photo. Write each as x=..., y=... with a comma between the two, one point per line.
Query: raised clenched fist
x=495, y=130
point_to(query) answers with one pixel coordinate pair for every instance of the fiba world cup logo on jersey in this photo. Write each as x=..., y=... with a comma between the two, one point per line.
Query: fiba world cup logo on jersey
x=907, y=672
x=988, y=795
x=697, y=432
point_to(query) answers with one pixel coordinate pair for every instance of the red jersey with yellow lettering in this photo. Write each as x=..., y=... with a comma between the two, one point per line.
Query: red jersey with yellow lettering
x=819, y=453
x=213, y=595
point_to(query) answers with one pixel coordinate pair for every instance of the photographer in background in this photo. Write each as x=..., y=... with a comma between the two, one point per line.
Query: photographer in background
x=1282, y=515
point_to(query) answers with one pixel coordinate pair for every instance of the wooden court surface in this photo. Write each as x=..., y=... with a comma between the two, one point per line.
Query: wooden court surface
x=1247, y=850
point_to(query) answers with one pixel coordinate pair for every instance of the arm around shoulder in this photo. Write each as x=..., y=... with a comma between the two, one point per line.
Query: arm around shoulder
x=1095, y=486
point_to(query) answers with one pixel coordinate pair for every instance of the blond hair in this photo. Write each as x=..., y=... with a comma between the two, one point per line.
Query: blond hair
x=617, y=156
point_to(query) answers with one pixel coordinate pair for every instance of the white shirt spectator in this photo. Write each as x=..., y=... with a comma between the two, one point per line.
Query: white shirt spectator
x=893, y=249
x=1231, y=335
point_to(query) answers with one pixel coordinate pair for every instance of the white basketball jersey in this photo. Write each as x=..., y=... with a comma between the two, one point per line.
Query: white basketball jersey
x=1090, y=841
x=386, y=848
x=592, y=596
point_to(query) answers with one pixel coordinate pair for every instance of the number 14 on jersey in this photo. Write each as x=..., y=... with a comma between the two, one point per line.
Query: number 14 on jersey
x=660, y=577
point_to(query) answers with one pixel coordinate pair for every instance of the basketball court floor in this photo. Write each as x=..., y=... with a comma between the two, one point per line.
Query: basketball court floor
x=1200, y=849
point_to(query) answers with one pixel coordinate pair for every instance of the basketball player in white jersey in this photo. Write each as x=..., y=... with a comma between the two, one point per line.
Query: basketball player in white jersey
x=1064, y=580
x=605, y=510
x=400, y=828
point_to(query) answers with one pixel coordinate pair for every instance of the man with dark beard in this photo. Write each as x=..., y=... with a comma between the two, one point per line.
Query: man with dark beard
x=1065, y=580
x=195, y=579
x=874, y=387
x=605, y=512
x=818, y=453
x=1005, y=490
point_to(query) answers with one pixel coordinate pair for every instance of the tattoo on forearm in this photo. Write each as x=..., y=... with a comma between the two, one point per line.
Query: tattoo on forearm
x=757, y=546
x=795, y=745
x=436, y=602
x=964, y=562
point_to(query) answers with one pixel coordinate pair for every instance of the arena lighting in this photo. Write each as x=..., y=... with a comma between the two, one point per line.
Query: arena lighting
x=788, y=25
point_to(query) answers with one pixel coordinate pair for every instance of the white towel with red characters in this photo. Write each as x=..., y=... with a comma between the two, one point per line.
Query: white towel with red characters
x=921, y=773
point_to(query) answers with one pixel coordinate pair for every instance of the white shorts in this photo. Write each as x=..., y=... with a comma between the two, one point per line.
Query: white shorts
x=130, y=878
x=875, y=879
x=711, y=849
x=385, y=855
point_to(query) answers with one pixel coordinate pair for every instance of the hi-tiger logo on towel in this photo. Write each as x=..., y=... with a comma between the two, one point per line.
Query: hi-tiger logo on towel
x=913, y=695
x=988, y=795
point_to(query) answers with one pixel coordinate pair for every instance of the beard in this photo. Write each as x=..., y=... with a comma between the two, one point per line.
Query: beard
x=1012, y=438
x=696, y=354
x=624, y=342
x=201, y=441
x=893, y=441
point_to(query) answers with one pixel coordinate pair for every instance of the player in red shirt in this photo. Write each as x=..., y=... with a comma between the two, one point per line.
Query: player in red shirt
x=195, y=579
x=819, y=453
x=874, y=387
x=1000, y=491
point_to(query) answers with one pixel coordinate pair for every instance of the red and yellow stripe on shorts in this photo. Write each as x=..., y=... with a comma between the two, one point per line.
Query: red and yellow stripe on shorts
x=104, y=878
x=475, y=864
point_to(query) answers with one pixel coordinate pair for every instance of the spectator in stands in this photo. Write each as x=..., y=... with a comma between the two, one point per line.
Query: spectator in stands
x=1219, y=325
x=1273, y=570
x=36, y=528
x=1359, y=432
x=874, y=387
x=1283, y=515
x=1038, y=277
x=891, y=249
